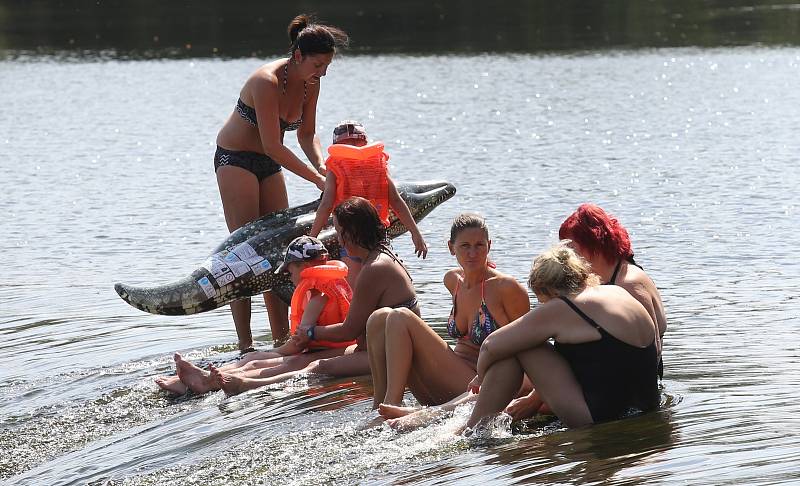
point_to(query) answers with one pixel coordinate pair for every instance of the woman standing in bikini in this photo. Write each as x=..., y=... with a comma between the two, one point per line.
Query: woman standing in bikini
x=278, y=97
x=404, y=351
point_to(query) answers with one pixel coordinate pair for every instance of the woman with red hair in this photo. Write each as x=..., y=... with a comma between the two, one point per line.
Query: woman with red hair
x=604, y=242
x=600, y=239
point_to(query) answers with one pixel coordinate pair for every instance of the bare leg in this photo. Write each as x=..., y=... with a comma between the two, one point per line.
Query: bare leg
x=416, y=356
x=254, y=360
x=239, y=191
x=278, y=314
x=376, y=349
x=394, y=411
x=275, y=367
x=407, y=418
x=555, y=382
x=252, y=357
x=272, y=197
x=257, y=364
x=500, y=384
x=240, y=310
x=353, y=364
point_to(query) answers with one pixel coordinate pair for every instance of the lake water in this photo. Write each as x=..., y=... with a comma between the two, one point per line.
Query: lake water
x=106, y=175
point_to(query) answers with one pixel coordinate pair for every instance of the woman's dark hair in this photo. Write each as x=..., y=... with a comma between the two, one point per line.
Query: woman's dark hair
x=360, y=223
x=311, y=37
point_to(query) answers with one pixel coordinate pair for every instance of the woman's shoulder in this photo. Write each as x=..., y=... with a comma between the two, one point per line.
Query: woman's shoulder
x=454, y=274
x=637, y=281
x=504, y=282
x=612, y=296
x=265, y=75
x=452, y=277
x=384, y=265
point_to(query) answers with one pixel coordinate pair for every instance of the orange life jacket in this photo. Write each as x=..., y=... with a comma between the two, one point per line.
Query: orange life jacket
x=328, y=279
x=361, y=171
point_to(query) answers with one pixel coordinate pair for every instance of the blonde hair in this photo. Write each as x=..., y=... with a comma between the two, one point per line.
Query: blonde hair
x=561, y=271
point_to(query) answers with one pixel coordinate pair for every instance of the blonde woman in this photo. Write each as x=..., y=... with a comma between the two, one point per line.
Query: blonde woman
x=604, y=357
x=404, y=351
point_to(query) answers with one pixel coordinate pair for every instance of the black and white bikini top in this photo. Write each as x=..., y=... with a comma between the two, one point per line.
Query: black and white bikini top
x=249, y=113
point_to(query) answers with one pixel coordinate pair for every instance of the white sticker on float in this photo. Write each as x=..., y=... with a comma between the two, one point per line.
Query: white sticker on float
x=244, y=251
x=262, y=267
x=207, y=287
x=215, y=266
x=239, y=268
x=230, y=258
x=253, y=260
x=225, y=279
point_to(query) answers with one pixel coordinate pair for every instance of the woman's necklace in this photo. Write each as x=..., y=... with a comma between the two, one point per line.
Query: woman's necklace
x=285, y=76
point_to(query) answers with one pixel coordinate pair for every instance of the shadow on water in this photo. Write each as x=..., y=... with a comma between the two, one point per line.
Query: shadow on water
x=183, y=28
x=543, y=451
x=134, y=432
x=129, y=425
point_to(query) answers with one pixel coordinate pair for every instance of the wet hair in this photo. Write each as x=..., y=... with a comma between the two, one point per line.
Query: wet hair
x=360, y=223
x=560, y=271
x=312, y=37
x=597, y=232
x=465, y=221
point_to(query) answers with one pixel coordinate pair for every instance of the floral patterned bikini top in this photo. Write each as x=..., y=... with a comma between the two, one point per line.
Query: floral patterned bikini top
x=483, y=325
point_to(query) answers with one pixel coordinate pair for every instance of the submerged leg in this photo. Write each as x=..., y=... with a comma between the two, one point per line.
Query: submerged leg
x=556, y=384
x=500, y=385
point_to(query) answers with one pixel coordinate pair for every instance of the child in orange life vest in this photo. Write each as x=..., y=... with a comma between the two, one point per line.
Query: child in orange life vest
x=358, y=168
x=322, y=295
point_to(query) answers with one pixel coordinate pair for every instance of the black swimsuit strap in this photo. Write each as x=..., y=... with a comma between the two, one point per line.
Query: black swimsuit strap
x=614, y=275
x=581, y=313
x=631, y=260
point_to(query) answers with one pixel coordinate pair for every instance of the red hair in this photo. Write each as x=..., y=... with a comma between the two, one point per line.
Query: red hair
x=597, y=232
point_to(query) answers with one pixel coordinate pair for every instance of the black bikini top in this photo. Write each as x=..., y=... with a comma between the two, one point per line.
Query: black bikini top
x=249, y=113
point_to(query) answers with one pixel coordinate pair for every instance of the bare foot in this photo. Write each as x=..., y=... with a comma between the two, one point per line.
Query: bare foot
x=415, y=420
x=373, y=422
x=197, y=379
x=231, y=384
x=172, y=384
x=215, y=376
x=388, y=411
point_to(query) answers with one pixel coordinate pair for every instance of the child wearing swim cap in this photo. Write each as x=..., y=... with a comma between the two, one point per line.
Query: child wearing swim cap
x=357, y=167
x=322, y=294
